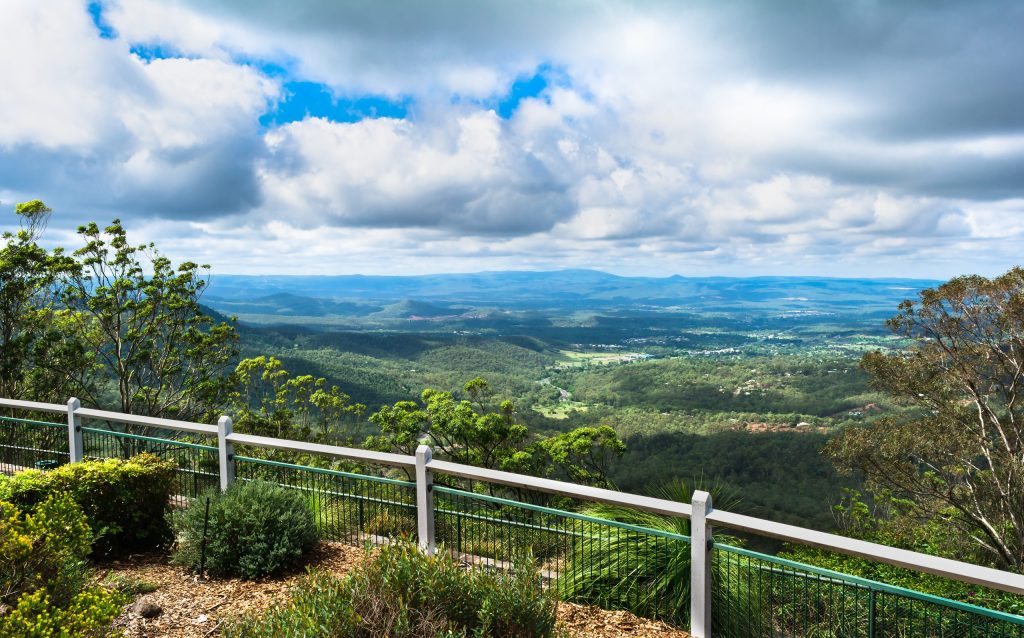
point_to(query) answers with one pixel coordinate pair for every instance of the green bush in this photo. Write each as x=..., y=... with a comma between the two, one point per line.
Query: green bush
x=125, y=501
x=254, y=529
x=403, y=593
x=44, y=574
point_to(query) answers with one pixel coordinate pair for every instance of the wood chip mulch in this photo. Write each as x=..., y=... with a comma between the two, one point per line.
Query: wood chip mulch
x=584, y=621
x=196, y=608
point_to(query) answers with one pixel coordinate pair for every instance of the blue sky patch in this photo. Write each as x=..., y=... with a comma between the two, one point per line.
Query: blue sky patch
x=107, y=32
x=524, y=87
x=312, y=99
x=521, y=89
x=150, y=52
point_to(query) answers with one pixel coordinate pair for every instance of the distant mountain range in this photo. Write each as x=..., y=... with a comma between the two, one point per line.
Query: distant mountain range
x=433, y=296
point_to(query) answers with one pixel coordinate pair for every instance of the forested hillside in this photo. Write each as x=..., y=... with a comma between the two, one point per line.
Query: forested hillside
x=744, y=400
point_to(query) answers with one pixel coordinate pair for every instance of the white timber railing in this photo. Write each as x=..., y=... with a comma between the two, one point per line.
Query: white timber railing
x=700, y=511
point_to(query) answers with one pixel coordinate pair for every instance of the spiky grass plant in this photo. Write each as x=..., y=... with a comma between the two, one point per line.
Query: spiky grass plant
x=645, y=571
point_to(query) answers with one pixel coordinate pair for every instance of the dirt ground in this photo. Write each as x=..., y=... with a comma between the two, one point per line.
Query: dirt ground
x=194, y=608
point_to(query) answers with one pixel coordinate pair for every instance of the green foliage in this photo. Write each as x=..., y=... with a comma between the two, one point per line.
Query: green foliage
x=125, y=502
x=129, y=586
x=44, y=574
x=254, y=529
x=139, y=318
x=782, y=476
x=403, y=593
x=267, y=400
x=87, y=615
x=465, y=431
x=583, y=455
x=483, y=431
x=645, y=574
x=960, y=449
x=885, y=519
x=36, y=360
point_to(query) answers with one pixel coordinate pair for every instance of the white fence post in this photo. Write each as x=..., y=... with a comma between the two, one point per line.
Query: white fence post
x=700, y=566
x=76, y=448
x=225, y=453
x=425, y=499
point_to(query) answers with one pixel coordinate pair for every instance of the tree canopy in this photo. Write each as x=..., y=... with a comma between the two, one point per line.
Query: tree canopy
x=36, y=362
x=959, y=455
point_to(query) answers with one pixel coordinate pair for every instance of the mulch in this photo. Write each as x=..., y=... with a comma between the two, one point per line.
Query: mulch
x=196, y=608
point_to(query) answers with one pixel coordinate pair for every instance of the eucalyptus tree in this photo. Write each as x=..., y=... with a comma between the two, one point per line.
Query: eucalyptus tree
x=140, y=320
x=37, y=360
x=268, y=400
x=957, y=453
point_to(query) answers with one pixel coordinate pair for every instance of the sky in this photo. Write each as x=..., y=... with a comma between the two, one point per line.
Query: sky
x=728, y=137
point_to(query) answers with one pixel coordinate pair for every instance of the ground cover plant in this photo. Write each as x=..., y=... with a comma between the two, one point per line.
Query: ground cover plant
x=125, y=501
x=404, y=593
x=45, y=587
x=251, y=530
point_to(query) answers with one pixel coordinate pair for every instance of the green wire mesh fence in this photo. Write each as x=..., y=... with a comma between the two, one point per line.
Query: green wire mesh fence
x=609, y=563
x=351, y=508
x=198, y=468
x=755, y=595
x=27, y=443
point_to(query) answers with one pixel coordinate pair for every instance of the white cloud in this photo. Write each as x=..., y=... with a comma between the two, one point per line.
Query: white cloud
x=671, y=137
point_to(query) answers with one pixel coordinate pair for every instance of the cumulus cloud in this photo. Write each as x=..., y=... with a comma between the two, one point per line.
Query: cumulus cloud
x=95, y=128
x=465, y=176
x=705, y=137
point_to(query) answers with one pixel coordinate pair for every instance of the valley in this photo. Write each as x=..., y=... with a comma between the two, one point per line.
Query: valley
x=737, y=382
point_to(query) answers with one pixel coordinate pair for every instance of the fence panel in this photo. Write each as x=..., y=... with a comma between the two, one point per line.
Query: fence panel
x=28, y=443
x=592, y=560
x=198, y=469
x=758, y=596
x=352, y=508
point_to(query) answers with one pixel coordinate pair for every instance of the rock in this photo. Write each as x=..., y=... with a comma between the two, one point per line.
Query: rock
x=146, y=608
x=4, y=610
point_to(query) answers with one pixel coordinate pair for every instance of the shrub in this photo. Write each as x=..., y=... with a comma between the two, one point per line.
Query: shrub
x=403, y=593
x=125, y=501
x=44, y=575
x=254, y=529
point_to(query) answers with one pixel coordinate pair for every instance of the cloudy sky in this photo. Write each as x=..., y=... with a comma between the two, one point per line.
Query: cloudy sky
x=847, y=138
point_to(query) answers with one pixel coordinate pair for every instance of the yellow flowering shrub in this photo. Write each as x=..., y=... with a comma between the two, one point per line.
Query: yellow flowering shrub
x=44, y=574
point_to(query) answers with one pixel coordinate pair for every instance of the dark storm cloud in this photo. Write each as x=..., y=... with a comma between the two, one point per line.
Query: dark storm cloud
x=933, y=67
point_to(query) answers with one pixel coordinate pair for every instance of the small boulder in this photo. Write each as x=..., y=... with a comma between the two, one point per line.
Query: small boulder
x=146, y=608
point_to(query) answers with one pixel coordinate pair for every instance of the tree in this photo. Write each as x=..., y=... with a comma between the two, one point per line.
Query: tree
x=959, y=455
x=583, y=455
x=483, y=431
x=36, y=360
x=267, y=400
x=140, y=319
x=465, y=431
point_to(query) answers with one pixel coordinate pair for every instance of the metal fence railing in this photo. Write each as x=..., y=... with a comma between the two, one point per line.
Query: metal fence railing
x=197, y=469
x=491, y=519
x=587, y=559
x=30, y=443
x=348, y=507
x=756, y=595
